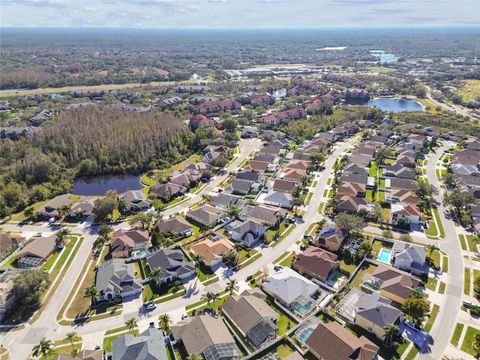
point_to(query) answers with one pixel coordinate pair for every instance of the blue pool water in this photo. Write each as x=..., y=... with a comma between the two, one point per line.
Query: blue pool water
x=303, y=309
x=305, y=334
x=384, y=256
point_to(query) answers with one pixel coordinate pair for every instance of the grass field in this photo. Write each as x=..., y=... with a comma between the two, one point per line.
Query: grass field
x=470, y=90
x=467, y=344
x=431, y=319
x=466, y=287
x=380, y=69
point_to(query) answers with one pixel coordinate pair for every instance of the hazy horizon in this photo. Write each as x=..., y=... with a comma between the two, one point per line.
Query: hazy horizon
x=270, y=14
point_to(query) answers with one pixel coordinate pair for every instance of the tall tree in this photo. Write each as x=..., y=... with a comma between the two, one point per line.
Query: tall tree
x=164, y=322
x=44, y=348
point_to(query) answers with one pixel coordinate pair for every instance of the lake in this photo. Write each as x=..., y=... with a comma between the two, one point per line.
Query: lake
x=99, y=185
x=384, y=57
x=395, y=104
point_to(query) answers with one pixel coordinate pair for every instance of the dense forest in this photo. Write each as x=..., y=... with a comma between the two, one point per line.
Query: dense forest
x=88, y=140
x=46, y=57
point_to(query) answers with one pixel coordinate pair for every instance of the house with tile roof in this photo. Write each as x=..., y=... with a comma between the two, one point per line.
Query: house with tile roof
x=149, y=345
x=116, y=278
x=124, y=242
x=316, y=263
x=172, y=264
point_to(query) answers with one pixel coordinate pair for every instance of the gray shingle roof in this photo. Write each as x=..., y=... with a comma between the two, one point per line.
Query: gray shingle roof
x=171, y=261
x=149, y=345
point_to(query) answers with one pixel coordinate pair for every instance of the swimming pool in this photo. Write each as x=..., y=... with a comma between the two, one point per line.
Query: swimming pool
x=385, y=255
x=302, y=308
x=305, y=334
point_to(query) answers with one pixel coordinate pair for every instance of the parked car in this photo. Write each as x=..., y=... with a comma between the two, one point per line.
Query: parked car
x=149, y=306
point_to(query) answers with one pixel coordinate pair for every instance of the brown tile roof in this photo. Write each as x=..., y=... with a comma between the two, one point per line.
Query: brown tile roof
x=176, y=225
x=211, y=250
x=39, y=247
x=8, y=241
x=316, y=262
x=284, y=185
x=331, y=341
x=395, y=281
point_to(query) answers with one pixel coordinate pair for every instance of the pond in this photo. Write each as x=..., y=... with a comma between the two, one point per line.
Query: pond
x=395, y=104
x=99, y=185
x=384, y=57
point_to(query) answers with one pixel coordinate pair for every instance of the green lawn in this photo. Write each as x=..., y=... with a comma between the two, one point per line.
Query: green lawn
x=436, y=259
x=472, y=244
x=369, y=194
x=107, y=341
x=373, y=169
x=476, y=276
x=284, y=322
x=380, y=69
x=466, y=287
x=431, y=318
x=431, y=283
x=456, y=334
x=367, y=269
x=204, y=273
x=412, y=353
x=288, y=261
x=467, y=344
x=442, y=287
x=445, y=264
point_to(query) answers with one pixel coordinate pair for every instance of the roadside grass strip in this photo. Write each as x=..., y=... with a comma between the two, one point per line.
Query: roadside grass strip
x=432, y=317
x=436, y=231
x=249, y=261
x=463, y=243
x=456, y=334
x=412, y=353
x=467, y=282
x=107, y=340
x=442, y=287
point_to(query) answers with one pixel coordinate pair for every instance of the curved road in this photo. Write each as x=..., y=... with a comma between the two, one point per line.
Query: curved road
x=21, y=342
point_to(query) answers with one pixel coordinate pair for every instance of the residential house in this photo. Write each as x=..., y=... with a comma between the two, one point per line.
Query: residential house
x=200, y=121
x=207, y=215
x=331, y=341
x=278, y=198
x=411, y=213
x=331, y=238
x=404, y=184
x=286, y=186
x=359, y=160
x=136, y=200
x=248, y=175
x=264, y=100
x=208, y=336
x=249, y=232
x=402, y=196
x=316, y=263
x=410, y=257
x=241, y=187
x=293, y=174
x=172, y=264
x=392, y=283
x=83, y=209
x=355, y=178
x=175, y=227
x=224, y=201
x=374, y=312
x=124, y=242
x=149, y=345
x=352, y=205
x=168, y=191
x=265, y=215
x=8, y=243
x=399, y=171
x=36, y=250
x=251, y=314
x=211, y=251
x=116, y=278
x=356, y=169
x=347, y=188
x=259, y=167
x=292, y=290
x=50, y=210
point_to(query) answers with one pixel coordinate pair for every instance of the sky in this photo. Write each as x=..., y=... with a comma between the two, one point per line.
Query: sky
x=237, y=13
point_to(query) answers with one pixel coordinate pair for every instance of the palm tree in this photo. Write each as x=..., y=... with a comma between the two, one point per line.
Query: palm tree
x=44, y=349
x=92, y=293
x=155, y=274
x=164, y=321
x=64, y=210
x=70, y=336
x=431, y=249
x=233, y=211
x=131, y=323
x=197, y=259
x=210, y=297
x=195, y=357
x=390, y=331
x=62, y=234
x=232, y=286
x=74, y=353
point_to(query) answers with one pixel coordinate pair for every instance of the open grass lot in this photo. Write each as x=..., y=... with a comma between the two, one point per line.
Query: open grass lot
x=472, y=244
x=431, y=283
x=470, y=90
x=284, y=322
x=468, y=340
x=463, y=243
x=380, y=69
x=476, y=276
x=456, y=334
